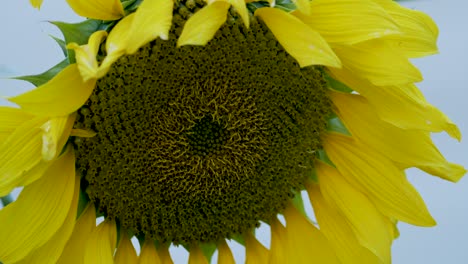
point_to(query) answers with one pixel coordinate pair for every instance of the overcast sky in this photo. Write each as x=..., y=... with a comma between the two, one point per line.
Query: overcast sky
x=26, y=48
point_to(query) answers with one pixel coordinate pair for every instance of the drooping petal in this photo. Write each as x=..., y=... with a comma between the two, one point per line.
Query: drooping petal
x=125, y=253
x=413, y=111
x=152, y=19
x=149, y=254
x=298, y=39
x=336, y=24
x=420, y=32
x=51, y=251
x=86, y=56
x=55, y=134
x=98, y=9
x=36, y=3
x=62, y=95
x=196, y=255
x=255, y=252
x=348, y=216
x=304, y=241
x=224, y=253
x=101, y=243
x=39, y=211
x=378, y=178
x=73, y=253
x=241, y=9
x=407, y=147
x=10, y=119
x=201, y=27
x=376, y=61
x=20, y=153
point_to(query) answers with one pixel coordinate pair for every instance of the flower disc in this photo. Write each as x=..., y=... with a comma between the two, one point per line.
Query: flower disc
x=200, y=143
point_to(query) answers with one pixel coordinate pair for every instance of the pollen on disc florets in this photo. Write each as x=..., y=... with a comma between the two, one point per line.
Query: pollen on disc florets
x=199, y=143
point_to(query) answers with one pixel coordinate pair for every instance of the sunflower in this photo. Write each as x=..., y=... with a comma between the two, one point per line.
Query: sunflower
x=188, y=123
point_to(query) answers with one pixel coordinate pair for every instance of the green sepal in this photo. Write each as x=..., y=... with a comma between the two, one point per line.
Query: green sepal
x=40, y=79
x=334, y=124
x=6, y=200
x=78, y=33
x=337, y=85
x=322, y=156
x=62, y=45
x=239, y=239
x=298, y=202
x=83, y=201
x=131, y=5
x=285, y=5
x=208, y=250
x=313, y=175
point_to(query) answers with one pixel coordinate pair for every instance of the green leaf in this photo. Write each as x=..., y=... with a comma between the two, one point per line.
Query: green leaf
x=62, y=45
x=334, y=124
x=44, y=77
x=337, y=85
x=78, y=33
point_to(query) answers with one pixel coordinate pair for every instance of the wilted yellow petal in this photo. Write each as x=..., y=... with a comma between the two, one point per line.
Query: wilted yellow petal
x=149, y=255
x=224, y=253
x=349, y=218
x=255, y=252
x=376, y=61
x=336, y=24
x=101, y=243
x=98, y=9
x=125, y=253
x=378, y=178
x=304, y=241
x=298, y=39
x=241, y=9
x=420, y=32
x=39, y=211
x=407, y=147
x=86, y=56
x=196, y=255
x=152, y=19
x=62, y=95
x=20, y=153
x=51, y=251
x=201, y=27
x=73, y=253
x=55, y=134
x=413, y=111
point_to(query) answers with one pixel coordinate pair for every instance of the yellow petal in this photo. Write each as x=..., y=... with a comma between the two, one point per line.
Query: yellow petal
x=86, y=55
x=241, y=9
x=62, y=95
x=378, y=178
x=55, y=134
x=73, y=253
x=125, y=253
x=36, y=3
x=304, y=6
x=98, y=9
x=403, y=106
x=376, y=61
x=39, y=211
x=152, y=19
x=10, y=119
x=149, y=255
x=304, y=241
x=76, y=132
x=164, y=255
x=419, y=30
x=407, y=147
x=278, y=251
x=347, y=216
x=51, y=251
x=298, y=39
x=336, y=24
x=196, y=255
x=224, y=253
x=255, y=252
x=100, y=245
x=201, y=27
x=20, y=153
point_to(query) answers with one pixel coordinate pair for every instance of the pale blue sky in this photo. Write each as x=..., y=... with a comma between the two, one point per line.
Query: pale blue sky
x=26, y=48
